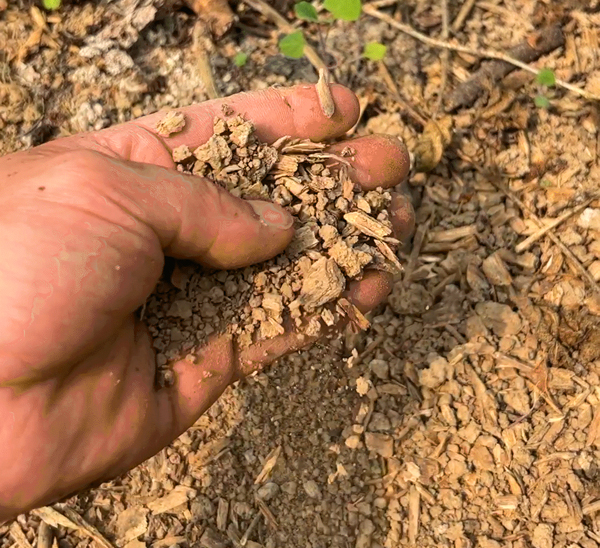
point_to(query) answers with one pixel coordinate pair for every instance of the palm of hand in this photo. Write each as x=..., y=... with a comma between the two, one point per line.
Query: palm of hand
x=85, y=232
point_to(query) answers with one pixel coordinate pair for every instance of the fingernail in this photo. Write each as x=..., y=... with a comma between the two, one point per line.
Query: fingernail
x=271, y=214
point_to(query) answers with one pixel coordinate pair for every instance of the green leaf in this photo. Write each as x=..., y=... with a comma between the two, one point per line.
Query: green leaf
x=374, y=51
x=348, y=10
x=306, y=11
x=292, y=45
x=541, y=101
x=546, y=78
x=51, y=4
x=240, y=59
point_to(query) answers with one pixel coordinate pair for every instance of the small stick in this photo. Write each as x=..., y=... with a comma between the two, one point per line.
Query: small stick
x=324, y=94
x=528, y=242
x=285, y=26
x=445, y=58
x=482, y=53
x=416, y=250
x=246, y=536
x=203, y=45
x=408, y=109
x=462, y=15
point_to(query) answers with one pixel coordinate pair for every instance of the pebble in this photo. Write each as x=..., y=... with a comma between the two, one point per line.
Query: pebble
x=312, y=489
x=382, y=444
x=202, y=508
x=290, y=488
x=379, y=423
x=366, y=527
x=353, y=442
x=542, y=536
x=267, y=491
x=380, y=368
x=180, y=309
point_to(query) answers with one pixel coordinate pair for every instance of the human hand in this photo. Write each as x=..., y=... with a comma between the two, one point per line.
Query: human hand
x=86, y=222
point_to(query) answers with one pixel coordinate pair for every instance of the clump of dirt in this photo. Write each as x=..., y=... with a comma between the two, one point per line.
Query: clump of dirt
x=340, y=231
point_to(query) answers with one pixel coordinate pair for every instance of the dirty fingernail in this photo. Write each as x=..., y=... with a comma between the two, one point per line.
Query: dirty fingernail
x=271, y=214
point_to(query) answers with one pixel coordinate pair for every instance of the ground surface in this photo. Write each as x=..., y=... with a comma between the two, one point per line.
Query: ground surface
x=469, y=415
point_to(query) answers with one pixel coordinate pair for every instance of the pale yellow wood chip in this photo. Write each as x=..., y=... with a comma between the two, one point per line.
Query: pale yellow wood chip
x=268, y=466
x=387, y=252
x=355, y=315
x=178, y=496
x=53, y=518
x=17, y=534
x=84, y=527
x=324, y=94
x=173, y=122
x=367, y=225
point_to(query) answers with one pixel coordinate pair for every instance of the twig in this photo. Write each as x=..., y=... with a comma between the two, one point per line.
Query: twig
x=482, y=53
x=490, y=72
x=285, y=26
x=528, y=242
x=462, y=15
x=408, y=109
x=416, y=250
x=445, y=58
x=203, y=46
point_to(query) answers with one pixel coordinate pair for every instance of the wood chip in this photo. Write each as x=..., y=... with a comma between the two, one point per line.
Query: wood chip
x=414, y=515
x=83, y=526
x=324, y=94
x=45, y=535
x=355, y=315
x=131, y=523
x=173, y=122
x=323, y=283
x=19, y=537
x=178, y=496
x=268, y=466
x=222, y=514
x=367, y=225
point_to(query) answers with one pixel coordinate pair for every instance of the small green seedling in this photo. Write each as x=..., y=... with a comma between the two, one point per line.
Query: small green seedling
x=306, y=12
x=240, y=59
x=374, y=51
x=347, y=10
x=545, y=79
x=541, y=101
x=292, y=45
x=51, y=5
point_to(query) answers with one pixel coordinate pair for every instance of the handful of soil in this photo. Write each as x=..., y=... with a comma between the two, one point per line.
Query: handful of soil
x=339, y=231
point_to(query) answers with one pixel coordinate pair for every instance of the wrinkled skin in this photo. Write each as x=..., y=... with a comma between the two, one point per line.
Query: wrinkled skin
x=86, y=222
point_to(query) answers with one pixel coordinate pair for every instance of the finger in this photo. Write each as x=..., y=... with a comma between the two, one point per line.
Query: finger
x=275, y=112
x=377, y=161
x=198, y=384
x=365, y=294
x=196, y=219
x=402, y=217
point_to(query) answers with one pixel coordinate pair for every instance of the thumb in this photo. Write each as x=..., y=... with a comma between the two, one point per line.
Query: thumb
x=198, y=220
